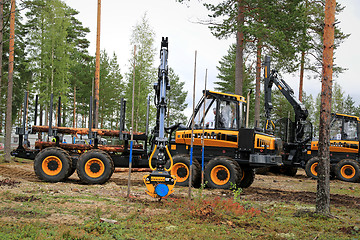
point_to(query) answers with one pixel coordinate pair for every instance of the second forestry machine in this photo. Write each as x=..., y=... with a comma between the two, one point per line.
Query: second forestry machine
x=299, y=150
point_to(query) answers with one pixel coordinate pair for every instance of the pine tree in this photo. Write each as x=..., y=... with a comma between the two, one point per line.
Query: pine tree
x=176, y=100
x=226, y=78
x=48, y=47
x=22, y=76
x=338, y=99
x=111, y=90
x=145, y=73
x=349, y=106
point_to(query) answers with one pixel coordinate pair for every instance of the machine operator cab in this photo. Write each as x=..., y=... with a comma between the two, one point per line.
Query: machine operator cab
x=344, y=127
x=221, y=110
x=344, y=137
x=222, y=115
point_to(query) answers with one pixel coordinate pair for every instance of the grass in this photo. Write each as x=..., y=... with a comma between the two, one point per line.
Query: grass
x=38, y=210
x=172, y=218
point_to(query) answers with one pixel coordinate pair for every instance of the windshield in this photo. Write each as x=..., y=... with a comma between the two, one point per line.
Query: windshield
x=217, y=114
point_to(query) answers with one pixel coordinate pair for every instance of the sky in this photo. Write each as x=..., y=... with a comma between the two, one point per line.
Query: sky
x=178, y=22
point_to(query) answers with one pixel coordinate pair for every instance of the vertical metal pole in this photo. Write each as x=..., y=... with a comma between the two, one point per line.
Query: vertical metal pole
x=203, y=136
x=132, y=125
x=59, y=113
x=22, y=131
x=147, y=121
x=36, y=108
x=147, y=116
x=25, y=110
x=74, y=110
x=51, y=115
x=192, y=130
x=90, y=117
x=247, y=109
x=94, y=115
x=121, y=128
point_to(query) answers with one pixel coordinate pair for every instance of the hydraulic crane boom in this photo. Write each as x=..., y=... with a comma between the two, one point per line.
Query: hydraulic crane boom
x=301, y=113
x=160, y=183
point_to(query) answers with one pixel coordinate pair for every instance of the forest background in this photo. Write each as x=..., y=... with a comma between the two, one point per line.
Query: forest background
x=52, y=56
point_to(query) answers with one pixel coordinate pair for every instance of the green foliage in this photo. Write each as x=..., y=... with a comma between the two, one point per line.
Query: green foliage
x=111, y=91
x=236, y=191
x=143, y=37
x=274, y=25
x=226, y=76
x=176, y=100
x=21, y=75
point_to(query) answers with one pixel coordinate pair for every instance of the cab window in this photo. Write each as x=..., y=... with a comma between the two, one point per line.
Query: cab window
x=227, y=117
x=350, y=130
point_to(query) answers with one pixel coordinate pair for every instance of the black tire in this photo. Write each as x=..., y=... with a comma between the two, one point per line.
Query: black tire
x=348, y=170
x=95, y=167
x=311, y=167
x=52, y=164
x=221, y=172
x=248, y=177
x=181, y=170
x=73, y=167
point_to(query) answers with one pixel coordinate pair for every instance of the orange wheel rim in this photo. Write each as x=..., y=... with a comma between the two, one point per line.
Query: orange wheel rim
x=51, y=165
x=180, y=171
x=220, y=175
x=94, y=168
x=313, y=169
x=347, y=171
x=243, y=175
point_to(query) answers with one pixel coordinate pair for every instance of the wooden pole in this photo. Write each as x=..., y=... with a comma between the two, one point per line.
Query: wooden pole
x=192, y=130
x=323, y=182
x=132, y=124
x=8, y=127
x=97, y=67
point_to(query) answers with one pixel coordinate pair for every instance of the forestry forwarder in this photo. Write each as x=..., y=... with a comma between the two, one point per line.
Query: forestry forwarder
x=231, y=151
x=299, y=150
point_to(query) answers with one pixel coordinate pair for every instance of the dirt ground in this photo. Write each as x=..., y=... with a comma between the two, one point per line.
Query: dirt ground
x=266, y=188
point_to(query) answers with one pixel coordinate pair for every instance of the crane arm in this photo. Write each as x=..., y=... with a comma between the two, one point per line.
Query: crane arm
x=271, y=78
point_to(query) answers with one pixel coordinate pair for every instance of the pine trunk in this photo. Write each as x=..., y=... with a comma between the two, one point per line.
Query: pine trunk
x=257, y=87
x=302, y=63
x=1, y=52
x=8, y=126
x=239, y=61
x=323, y=183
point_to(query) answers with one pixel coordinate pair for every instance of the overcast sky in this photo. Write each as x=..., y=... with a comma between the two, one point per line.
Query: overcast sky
x=177, y=21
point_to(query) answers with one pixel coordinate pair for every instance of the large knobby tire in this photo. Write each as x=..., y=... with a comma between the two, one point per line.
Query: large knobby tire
x=52, y=164
x=311, y=167
x=221, y=172
x=95, y=167
x=73, y=167
x=348, y=170
x=181, y=170
x=248, y=177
